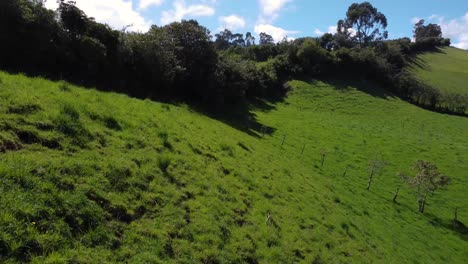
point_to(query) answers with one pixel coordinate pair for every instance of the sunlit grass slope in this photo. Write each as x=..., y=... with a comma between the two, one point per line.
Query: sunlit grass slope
x=446, y=70
x=92, y=177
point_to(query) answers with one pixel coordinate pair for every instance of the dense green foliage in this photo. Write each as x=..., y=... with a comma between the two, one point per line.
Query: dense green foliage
x=93, y=177
x=181, y=60
x=428, y=37
x=367, y=23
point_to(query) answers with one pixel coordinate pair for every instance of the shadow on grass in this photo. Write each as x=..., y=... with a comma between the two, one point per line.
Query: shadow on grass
x=241, y=115
x=366, y=86
x=453, y=225
x=416, y=62
x=238, y=115
x=459, y=228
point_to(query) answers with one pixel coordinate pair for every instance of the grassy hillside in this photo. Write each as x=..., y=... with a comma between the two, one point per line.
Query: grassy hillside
x=92, y=177
x=446, y=70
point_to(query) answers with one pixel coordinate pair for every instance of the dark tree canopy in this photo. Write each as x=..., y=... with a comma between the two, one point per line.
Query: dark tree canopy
x=73, y=19
x=265, y=39
x=238, y=40
x=223, y=39
x=422, y=32
x=367, y=22
x=249, y=39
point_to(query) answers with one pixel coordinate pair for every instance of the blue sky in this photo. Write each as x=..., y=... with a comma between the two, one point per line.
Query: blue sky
x=279, y=18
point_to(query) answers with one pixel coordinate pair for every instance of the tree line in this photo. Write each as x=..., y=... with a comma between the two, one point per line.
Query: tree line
x=183, y=61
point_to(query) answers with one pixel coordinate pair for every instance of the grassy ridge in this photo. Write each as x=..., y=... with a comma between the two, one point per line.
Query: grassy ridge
x=446, y=70
x=100, y=177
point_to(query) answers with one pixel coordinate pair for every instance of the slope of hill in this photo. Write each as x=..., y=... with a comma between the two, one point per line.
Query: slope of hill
x=446, y=70
x=93, y=177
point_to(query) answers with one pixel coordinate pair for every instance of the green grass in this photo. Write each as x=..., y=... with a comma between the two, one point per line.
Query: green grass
x=446, y=70
x=93, y=177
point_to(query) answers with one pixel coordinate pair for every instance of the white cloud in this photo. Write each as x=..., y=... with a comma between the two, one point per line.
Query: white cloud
x=456, y=30
x=269, y=9
x=181, y=10
x=232, y=22
x=462, y=42
x=332, y=29
x=318, y=32
x=144, y=4
x=431, y=17
x=116, y=13
x=50, y=4
x=276, y=32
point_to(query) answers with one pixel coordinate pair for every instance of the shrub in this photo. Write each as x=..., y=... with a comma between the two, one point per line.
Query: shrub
x=312, y=57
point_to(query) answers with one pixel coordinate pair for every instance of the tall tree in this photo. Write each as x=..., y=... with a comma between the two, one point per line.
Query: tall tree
x=421, y=32
x=364, y=24
x=326, y=41
x=223, y=39
x=196, y=58
x=238, y=40
x=265, y=39
x=74, y=20
x=249, y=39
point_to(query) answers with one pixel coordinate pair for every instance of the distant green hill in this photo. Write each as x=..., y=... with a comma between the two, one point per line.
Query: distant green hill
x=95, y=177
x=446, y=70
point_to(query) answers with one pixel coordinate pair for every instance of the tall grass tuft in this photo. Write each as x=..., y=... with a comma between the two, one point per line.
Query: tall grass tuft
x=163, y=162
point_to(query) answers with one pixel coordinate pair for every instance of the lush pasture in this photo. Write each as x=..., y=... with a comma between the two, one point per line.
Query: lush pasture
x=446, y=70
x=93, y=177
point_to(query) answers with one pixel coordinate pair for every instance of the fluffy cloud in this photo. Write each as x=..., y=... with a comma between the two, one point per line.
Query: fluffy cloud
x=269, y=9
x=147, y=3
x=330, y=29
x=455, y=29
x=318, y=32
x=116, y=13
x=276, y=32
x=181, y=10
x=334, y=29
x=231, y=22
